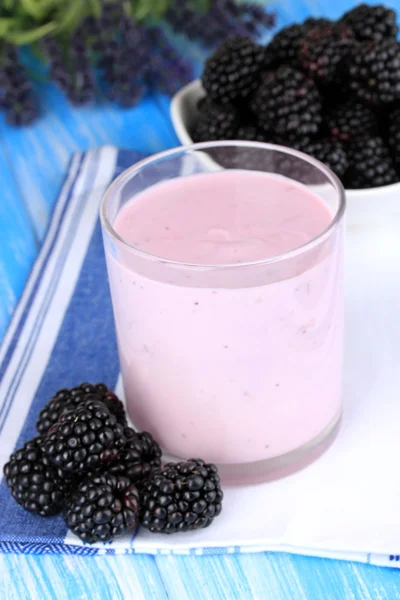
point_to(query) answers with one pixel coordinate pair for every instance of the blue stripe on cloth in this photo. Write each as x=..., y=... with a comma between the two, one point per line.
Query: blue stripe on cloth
x=85, y=350
x=30, y=346
x=126, y=158
x=34, y=548
x=53, y=228
x=70, y=549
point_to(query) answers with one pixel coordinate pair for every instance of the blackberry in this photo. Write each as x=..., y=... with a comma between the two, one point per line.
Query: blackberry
x=138, y=458
x=103, y=507
x=215, y=122
x=394, y=136
x=181, y=497
x=323, y=51
x=346, y=122
x=34, y=482
x=374, y=71
x=329, y=152
x=284, y=48
x=65, y=400
x=86, y=438
x=371, y=22
x=370, y=164
x=233, y=71
x=287, y=101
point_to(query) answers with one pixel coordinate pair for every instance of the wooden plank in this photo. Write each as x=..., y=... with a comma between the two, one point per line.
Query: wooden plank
x=274, y=576
x=33, y=163
x=30, y=577
x=40, y=153
x=18, y=244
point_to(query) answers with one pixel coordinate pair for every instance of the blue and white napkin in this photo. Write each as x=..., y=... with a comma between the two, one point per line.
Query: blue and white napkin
x=343, y=506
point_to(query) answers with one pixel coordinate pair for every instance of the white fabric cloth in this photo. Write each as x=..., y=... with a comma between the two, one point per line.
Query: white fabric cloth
x=345, y=505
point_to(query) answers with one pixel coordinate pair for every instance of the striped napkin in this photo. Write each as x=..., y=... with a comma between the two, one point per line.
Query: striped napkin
x=343, y=506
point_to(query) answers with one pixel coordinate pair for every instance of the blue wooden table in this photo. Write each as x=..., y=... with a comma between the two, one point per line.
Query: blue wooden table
x=32, y=166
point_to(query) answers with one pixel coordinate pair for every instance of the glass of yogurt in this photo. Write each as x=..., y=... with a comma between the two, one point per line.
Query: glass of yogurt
x=225, y=263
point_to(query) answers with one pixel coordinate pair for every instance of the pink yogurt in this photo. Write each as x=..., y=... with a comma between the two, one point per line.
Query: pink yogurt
x=244, y=368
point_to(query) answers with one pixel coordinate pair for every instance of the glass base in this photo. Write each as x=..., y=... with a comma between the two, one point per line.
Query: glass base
x=279, y=466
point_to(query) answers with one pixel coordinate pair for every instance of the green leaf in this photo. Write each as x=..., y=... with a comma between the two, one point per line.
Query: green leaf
x=149, y=8
x=8, y=4
x=68, y=18
x=141, y=10
x=160, y=6
x=95, y=8
x=32, y=8
x=4, y=25
x=202, y=5
x=21, y=37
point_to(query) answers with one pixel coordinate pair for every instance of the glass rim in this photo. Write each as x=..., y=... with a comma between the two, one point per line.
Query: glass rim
x=127, y=174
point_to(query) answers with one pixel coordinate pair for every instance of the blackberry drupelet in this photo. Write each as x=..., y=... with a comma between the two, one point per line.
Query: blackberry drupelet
x=86, y=438
x=312, y=22
x=233, y=71
x=323, y=51
x=151, y=451
x=371, y=22
x=394, y=136
x=329, y=152
x=287, y=101
x=284, y=48
x=346, y=122
x=291, y=166
x=103, y=507
x=181, y=497
x=215, y=122
x=370, y=164
x=113, y=403
x=374, y=71
x=202, y=102
x=34, y=482
x=293, y=140
x=251, y=132
x=138, y=458
x=65, y=400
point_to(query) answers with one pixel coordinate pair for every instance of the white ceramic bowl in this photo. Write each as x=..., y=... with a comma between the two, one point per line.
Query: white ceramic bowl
x=370, y=209
x=184, y=110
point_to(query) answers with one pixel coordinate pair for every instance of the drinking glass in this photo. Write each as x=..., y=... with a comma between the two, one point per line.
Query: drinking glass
x=239, y=364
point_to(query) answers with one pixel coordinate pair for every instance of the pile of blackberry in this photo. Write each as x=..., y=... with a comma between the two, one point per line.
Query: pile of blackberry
x=328, y=88
x=104, y=477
